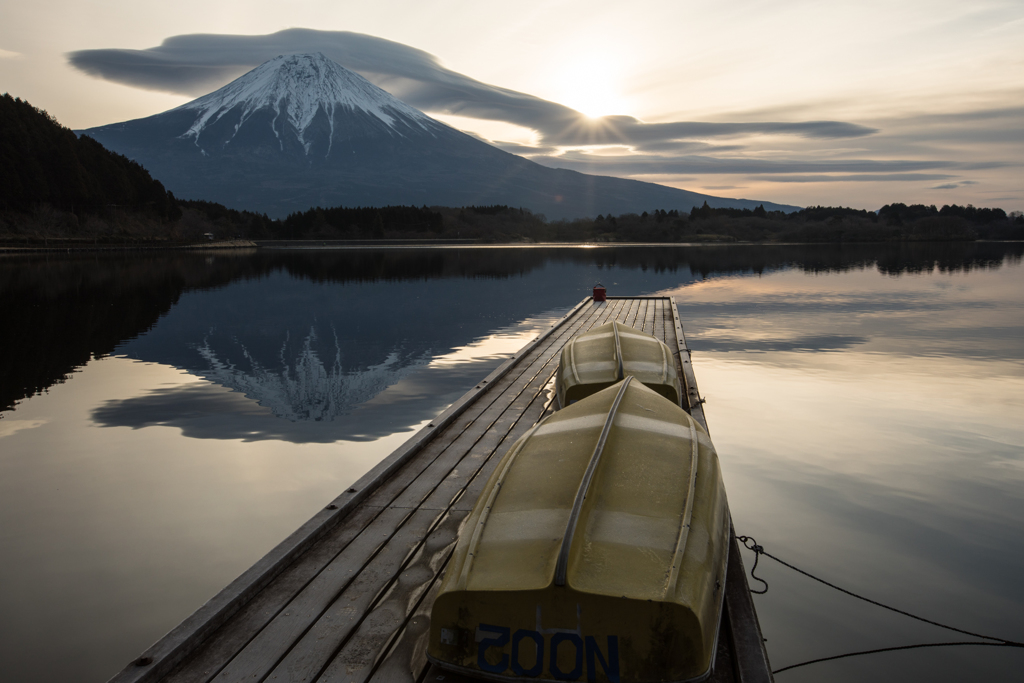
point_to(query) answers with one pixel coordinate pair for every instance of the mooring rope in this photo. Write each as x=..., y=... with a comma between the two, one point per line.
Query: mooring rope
x=758, y=551
x=750, y=544
x=889, y=649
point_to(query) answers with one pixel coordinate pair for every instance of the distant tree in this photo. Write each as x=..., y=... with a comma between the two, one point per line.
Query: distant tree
x=900, y=214
x=704, y=211
x=974, y=215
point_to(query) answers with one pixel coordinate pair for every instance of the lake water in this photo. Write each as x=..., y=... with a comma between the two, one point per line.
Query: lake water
x=171, y=417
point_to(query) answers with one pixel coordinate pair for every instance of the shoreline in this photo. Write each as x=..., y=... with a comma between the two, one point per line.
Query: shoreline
x=368, y=245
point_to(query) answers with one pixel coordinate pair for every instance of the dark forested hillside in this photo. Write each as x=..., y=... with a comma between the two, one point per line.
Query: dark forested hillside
x=44, y=163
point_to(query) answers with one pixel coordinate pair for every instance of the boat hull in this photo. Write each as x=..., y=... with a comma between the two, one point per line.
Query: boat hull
x=629, y=590
x=607, y=354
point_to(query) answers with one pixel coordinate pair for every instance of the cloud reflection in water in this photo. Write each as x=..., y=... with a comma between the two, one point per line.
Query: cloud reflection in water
x=891, y=464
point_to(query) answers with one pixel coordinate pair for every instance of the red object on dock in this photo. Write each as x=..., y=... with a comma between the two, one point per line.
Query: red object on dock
x=599, y=292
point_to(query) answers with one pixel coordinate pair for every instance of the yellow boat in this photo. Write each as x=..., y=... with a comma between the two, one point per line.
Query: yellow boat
x=608, y=354
x=597, y=551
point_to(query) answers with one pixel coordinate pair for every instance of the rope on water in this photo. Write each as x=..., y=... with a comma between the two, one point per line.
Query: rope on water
x=889, y=649
x=750, y=544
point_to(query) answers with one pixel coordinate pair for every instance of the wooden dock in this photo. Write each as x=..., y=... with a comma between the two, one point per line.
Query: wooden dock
x=347, y=597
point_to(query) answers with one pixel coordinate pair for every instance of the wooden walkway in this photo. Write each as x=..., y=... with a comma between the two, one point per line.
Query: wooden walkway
x=347, y=597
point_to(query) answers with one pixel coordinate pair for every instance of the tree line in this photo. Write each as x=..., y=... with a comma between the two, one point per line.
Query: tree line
x=892, y=223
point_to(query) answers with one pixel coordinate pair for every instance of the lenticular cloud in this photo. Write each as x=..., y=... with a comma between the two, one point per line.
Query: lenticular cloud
x=198, y=63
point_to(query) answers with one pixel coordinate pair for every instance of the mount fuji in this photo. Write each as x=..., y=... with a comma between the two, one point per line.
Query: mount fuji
x=300, y=131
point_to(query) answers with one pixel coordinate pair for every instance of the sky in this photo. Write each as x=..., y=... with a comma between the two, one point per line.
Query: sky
x=834, y=103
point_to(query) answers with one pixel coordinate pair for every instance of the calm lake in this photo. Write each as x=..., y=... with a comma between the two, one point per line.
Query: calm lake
x=169, y=418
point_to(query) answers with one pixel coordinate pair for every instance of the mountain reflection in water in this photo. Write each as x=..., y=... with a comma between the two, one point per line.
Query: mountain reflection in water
x=306, y=388
x=70, y=310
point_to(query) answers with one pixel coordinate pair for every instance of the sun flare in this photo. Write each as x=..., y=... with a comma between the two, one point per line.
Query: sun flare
x=591, y=84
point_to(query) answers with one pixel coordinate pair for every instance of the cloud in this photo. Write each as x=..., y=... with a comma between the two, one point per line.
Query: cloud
x=824, y=342
x=954, y=186
x=7, y=54
x=521, y=149
x=856, y=178
x=198, y=63
x=628, y=130
x=853, y=169
x=690, y=146
x=989, y=126
x=1014, y=114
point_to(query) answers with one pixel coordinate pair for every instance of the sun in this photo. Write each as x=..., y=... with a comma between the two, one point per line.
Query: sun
x=591, y=84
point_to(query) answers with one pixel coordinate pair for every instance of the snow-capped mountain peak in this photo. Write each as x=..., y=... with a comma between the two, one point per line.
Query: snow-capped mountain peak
x=301, y=131
x=296, y=88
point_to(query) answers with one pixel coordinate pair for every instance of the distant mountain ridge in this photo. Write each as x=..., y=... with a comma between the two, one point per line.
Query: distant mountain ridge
x=301, y=131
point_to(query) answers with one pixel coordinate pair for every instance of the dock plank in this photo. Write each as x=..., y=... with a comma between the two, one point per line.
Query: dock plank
x=634, y=307
x=394, y=620
x=649, y=315
x=659, y=320
x=687, y=376
x=641, y=317
x=405, y=661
